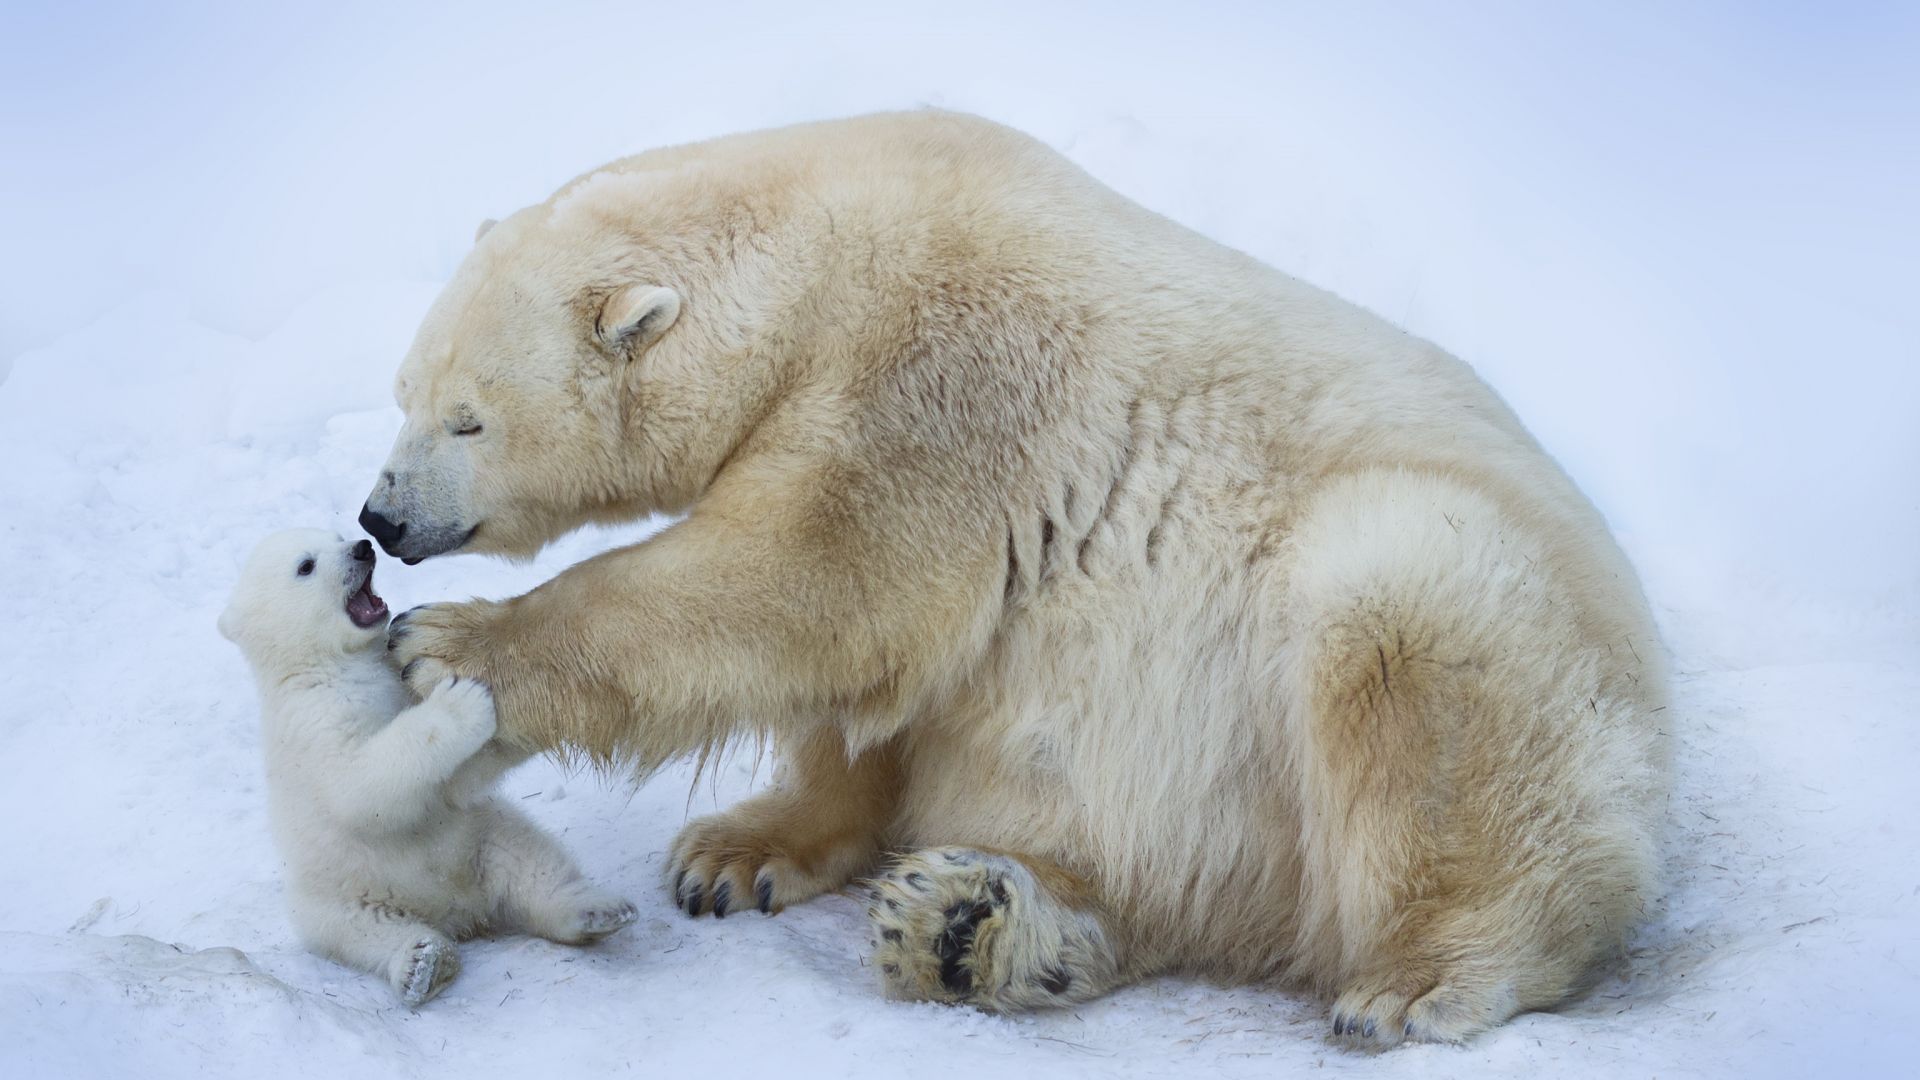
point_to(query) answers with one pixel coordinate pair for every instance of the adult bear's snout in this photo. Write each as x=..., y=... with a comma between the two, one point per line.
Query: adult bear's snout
x=380, y=528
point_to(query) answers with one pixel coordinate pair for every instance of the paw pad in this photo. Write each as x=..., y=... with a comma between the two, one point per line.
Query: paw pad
x=968, y=927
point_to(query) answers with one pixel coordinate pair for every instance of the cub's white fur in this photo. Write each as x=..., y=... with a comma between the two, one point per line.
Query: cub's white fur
x=394, y=845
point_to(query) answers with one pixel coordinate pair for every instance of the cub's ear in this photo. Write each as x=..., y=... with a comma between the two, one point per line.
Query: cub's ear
x=485, y=227
x=635, y=317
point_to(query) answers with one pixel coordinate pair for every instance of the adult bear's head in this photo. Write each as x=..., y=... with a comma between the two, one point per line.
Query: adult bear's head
x=597, y=357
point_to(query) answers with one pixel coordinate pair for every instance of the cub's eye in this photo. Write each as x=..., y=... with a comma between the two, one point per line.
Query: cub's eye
x=306, y=567
x=469, y=428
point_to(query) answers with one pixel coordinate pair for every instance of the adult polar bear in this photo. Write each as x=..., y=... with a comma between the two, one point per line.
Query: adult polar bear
x=1204, y=621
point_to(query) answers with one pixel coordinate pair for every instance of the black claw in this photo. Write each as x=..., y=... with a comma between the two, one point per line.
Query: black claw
x=694, y=897
x=721, y=897
x=999, y=890
x=679, y=882
x=1368, y=1030
x=1339, y=1024
x=890, y=934
x=763, y=892
x=891, y=969
x=917, y=880
x=406, y=673
x=1055, y=981
x=1407, y=1029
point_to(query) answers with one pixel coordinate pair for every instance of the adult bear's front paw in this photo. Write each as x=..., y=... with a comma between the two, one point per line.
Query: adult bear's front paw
x=435, y=642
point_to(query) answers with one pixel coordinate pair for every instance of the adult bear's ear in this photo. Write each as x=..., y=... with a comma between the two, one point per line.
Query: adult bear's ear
x=485, y=228
x=635, y=317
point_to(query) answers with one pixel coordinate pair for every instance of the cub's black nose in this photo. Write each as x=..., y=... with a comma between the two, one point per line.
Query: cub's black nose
x=362, y=552
x=378, y=527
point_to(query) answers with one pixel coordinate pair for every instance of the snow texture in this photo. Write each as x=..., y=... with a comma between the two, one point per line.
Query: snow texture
x=1678, y=239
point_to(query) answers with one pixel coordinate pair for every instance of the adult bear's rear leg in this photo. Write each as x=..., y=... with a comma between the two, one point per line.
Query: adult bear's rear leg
x=1479, y=780
x=991, y=929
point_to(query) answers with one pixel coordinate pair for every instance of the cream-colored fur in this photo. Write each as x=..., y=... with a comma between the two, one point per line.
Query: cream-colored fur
x=395, y=846
x=1215, y=624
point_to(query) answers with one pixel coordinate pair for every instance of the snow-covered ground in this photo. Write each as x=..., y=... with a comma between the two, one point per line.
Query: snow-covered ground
x=1679, y=241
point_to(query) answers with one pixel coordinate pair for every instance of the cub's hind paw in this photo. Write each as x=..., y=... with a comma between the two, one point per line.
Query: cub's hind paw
x=423, y=969
x=604, y=919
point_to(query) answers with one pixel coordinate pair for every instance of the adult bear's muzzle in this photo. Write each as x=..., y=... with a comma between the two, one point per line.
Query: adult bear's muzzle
x=378, y=526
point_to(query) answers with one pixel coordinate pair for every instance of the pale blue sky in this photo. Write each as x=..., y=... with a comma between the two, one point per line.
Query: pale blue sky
x=1679, y=237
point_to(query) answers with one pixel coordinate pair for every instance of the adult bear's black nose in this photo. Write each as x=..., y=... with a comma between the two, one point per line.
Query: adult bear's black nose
x=381, y=529
x=362, y=552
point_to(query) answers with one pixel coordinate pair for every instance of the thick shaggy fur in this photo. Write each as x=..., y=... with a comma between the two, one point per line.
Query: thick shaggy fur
x=395, y=847
x=1160, y=612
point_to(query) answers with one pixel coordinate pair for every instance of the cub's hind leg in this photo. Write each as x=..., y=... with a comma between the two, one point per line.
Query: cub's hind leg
x=998, y=931
x=417, y=959
x=814, y=831
x=1478, y=767
x=532, y=884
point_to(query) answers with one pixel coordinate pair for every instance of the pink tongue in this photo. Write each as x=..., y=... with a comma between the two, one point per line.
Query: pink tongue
x=364, y=608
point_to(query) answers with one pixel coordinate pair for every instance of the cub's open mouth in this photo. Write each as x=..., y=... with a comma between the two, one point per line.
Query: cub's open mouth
x=364, y=607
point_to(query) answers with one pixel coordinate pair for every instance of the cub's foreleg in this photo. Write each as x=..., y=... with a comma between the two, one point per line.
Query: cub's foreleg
x=394, y=776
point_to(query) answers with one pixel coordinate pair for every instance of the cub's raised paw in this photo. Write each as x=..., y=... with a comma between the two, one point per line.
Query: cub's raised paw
x=979, y=928
x=469, y=706
x=423, y=969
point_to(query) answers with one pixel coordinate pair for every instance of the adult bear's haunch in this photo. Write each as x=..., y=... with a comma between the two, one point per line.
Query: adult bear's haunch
x=1163, y=612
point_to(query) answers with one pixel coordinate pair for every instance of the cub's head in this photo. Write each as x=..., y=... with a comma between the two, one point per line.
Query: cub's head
x=305, y=593
x=594, y=359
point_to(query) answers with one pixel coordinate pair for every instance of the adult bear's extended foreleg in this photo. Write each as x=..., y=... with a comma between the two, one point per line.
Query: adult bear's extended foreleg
x=712, y=629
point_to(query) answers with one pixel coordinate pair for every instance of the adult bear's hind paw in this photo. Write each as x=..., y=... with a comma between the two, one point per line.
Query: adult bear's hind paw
x=979, y=928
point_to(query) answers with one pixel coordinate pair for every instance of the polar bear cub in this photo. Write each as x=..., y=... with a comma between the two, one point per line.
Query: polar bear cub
x=382, y=808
